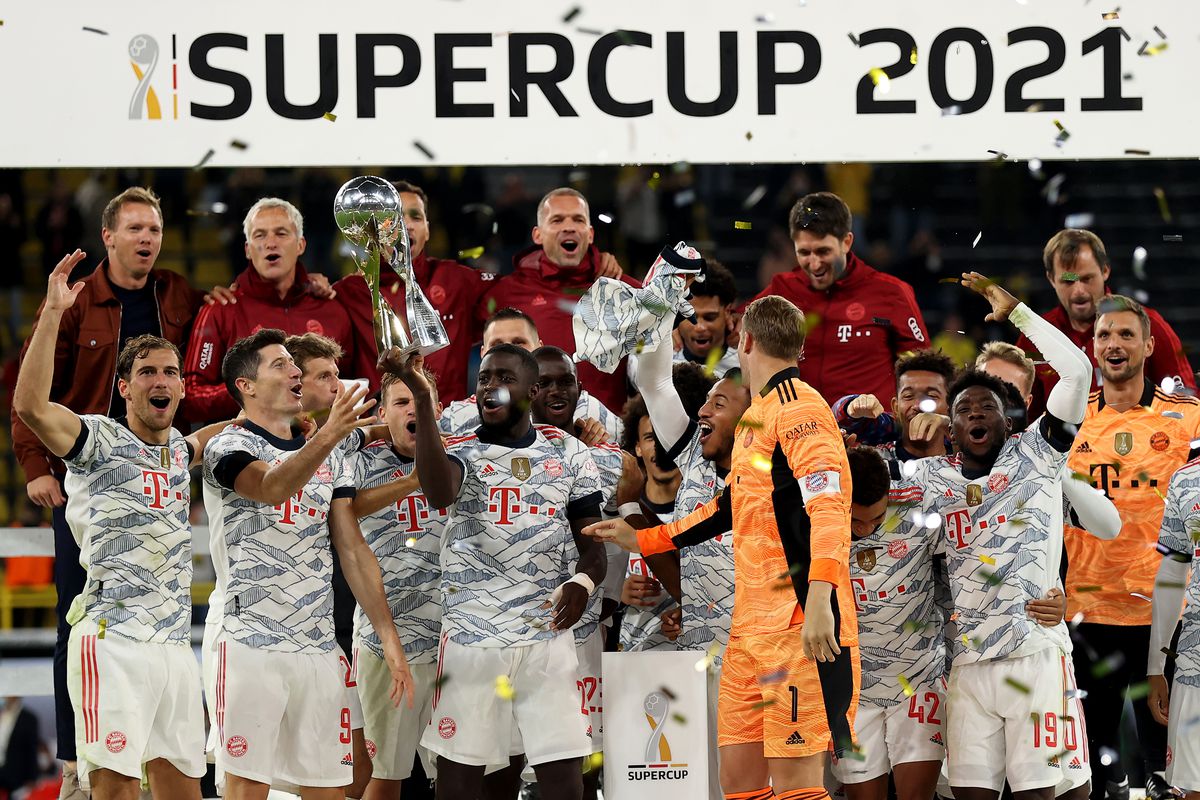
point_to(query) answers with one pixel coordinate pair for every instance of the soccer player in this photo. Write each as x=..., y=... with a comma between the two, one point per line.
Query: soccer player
x=793, y=617
x=405, y=533
x=511, y=326
x=901, y=713
x=1012, y=710
x=275, y=503
x=1135, y=436
x=521, y=495
x=131, y=674
x=1177, y=704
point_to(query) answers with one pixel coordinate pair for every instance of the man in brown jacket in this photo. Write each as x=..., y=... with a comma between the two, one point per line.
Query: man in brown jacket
x=124, y=297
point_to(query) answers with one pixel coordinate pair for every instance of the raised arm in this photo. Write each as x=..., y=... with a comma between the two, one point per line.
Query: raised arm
x=1092, y=509
x=1175, y=543
x=667, y=414
x=55, y=425
x=440, y=475
x=368, y=501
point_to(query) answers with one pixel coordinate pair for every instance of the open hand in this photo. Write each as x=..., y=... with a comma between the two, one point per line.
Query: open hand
x=1002, y=301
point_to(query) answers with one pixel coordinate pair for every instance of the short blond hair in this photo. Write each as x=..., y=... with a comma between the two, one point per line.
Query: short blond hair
x=134, y=194
x=1010, y=354
x=307, y=346
x=777, y=326
x=389, y=379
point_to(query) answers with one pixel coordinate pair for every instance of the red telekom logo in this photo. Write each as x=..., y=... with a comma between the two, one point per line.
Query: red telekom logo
x=290, y=508
x=412, y=511
x=155, y=486
x=504, y=501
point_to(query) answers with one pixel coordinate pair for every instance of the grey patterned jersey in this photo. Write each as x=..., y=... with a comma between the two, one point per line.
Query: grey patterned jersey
x=127, y=506
x=462, y=416
x=1180, y=533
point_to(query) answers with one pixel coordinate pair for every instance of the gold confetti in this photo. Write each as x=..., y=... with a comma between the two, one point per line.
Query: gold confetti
x=912, y=57
x=329, y=115
x=1070, y=277
x=593, y=762
x=1087, y=589
x=710, y=363
x=760, y=463
x=238, y=144
x=103, y=626
x=991, y=562
x=881, y=80
x=741, y=226
x=504, y=689
x=763, y=704
x=1155, y=49
x=1163, y=208
x=655, y=179
x=410, y=541
x=680, y=718
x=471, y=252
x=749, y=135
x=1111, y=14
x=1016, y=684
x=909, y=691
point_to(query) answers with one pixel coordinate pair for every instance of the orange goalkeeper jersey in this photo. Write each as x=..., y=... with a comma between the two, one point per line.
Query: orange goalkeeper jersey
x=787, y=500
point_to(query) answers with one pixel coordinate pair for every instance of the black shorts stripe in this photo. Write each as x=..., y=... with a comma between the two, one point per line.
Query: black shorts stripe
x=837, y=690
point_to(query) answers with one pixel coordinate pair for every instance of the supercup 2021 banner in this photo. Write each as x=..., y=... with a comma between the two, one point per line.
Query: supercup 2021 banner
x=500, y=81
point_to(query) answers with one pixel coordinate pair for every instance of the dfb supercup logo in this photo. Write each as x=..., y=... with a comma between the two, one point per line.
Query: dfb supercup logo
x=144, y=53
x=656, y=707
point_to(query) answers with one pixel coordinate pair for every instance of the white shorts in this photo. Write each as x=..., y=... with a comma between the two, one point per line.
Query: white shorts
x=393, y=734
x=134, y=702
x=208, y=669
x=590, y=684
x=350, y=678
x=911, y=730
x=473, y=719
x=282, y=718
x=1183, y=737
x=1012, y=718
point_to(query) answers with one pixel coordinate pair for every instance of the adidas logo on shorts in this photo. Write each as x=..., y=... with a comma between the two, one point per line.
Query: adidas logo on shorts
x=1052, y=762
x=1075, y=763
x=348, y=760
x=795, y=738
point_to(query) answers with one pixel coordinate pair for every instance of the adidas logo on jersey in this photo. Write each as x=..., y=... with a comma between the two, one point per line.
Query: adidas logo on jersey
x=1075, y=763
x=937, y=739
x=488, y=469
x=1195, y=506
x=1084, y=447
x=795, y=738
x=949, y=493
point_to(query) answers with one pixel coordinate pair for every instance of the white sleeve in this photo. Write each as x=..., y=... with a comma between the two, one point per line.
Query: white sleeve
x=618, y=565
x=1166, y=607
x=1097, y=514
x=1068, y=399
x=667, y=414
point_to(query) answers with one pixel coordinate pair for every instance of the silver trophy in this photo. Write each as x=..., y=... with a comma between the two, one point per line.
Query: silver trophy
x=369, y=213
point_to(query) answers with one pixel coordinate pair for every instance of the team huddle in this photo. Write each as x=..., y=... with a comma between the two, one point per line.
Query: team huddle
x=911, y=589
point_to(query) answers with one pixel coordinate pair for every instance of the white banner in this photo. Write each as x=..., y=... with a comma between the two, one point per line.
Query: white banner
x=297, y=82
x=655, y=726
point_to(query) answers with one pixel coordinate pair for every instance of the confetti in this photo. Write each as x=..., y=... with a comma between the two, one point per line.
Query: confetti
x=749, y=136
x=238, y=144
x=669, y=694
x=741, y=225
x=773, y=677
x=752, y=199
x=881, y=80
x=95, y=30
x=763, y=704
x=978, y=236
x=572, y=14
x=1132, y=151
x=705, y=663
x=909, y=691
x=1111, y=14
x=1002, y=156
x=471, y=252
x=912, y=57
x=1079, y=694
x=1158, y=30
x=1063, y=134
x=1128, y=38
x=605, y=218
x=1142, y=49
x=590, y=31
x=1139, y=263
x=854, y=39
x=928, y=405
x=1070, y=277
x=1108, y=756
x=1153, y=49
x=1163, y=208
x=504, y=689
x=991, y=562
x=1080, y=220
x=1053, y=189
x=951, y=111
x=1016, y=684
x=207, y=157
x=991, y=578
x=765, y=19
x=1173, y=237
x=1113, y=661
x=1137, y=691
x=329, y=115
x=916, y=626
x=593, y=762
x=1140, y=596
x=710, y=363
x=425, y=151
x=410, y=542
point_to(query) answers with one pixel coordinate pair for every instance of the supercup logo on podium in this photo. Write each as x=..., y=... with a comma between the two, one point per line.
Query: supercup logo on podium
x=143, y=57
x=369, y=213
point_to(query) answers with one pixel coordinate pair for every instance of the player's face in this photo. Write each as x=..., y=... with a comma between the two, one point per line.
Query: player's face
x=565, y=231
x=647, y=452
x=320, y=384
x=511, y=331
x=133, y=245
x=709, y=329
x=719, y=416
x=865, y=520
x=822, y=257
x=277, y=387
x=917, y=387
x=979, y=425
x=1011, y=373
x=400, y=414
x=1120, y=346
x=1080, y=286
x=416, y=222
x=558, y=392
x=503, y=391
x=154, y=389
x=274, y=246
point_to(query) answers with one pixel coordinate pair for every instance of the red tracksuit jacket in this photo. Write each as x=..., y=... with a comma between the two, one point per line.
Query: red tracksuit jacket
x=453, y=289
x=548, y=293
x=857, y=328
x=259, y=306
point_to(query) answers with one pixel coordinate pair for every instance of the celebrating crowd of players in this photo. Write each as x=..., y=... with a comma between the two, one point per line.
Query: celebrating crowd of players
x=896, y=572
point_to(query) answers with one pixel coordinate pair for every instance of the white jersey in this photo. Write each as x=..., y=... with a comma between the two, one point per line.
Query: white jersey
x=127, y=506
x=641, y=628
x=705, y=569
x=274, y=564
x=1178, y=534
x=608, y=470
x=461, y=417
x=1003, y=542
x=406, y=538
x=509, y=533
x=899, y=621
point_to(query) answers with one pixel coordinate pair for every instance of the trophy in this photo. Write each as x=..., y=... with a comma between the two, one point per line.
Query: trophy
x=369, y=213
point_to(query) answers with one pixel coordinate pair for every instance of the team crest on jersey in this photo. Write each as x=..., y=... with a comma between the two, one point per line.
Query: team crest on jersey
x=554, y=468
x=164, y=458
x=898, y=549
x=866, y=559
x=1123, y=443
x=324, y=474
x=817, y=482
x=749, y=440
x=974, y=494
x=997, y=483
x=115, y=742
x=1160, y=441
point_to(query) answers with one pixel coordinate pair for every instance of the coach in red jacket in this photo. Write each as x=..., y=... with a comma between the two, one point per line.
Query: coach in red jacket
x=859, y=319
x=453, y=289
x=1077, y=267
x=273, y=292
x=549, y=278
